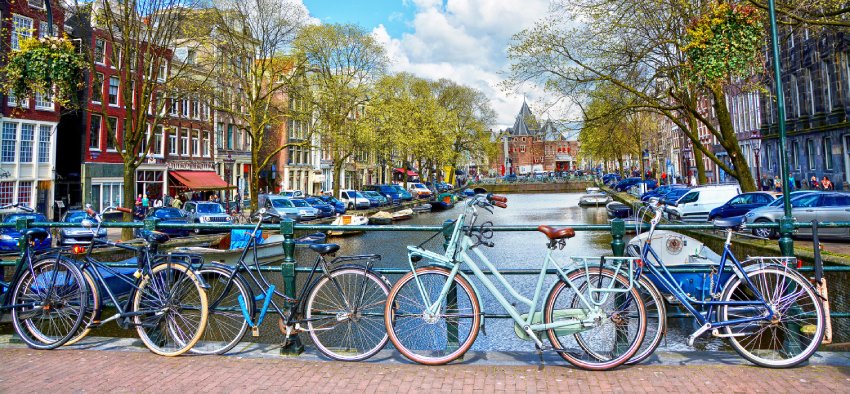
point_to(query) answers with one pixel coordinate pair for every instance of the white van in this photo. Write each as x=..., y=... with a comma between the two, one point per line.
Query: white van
x=697, y=203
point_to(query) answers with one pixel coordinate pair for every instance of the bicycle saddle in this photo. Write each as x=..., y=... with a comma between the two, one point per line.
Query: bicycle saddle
x=324, y=248
x=37, y=234
x=155, y=237
x=557, y=233
x=735, y=223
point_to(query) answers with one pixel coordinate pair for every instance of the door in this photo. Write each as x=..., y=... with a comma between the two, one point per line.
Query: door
x=834, y=207
x=805, y=210
x=737, y=206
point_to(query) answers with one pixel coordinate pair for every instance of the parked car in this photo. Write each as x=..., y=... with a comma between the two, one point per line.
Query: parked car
x=339, y=206
x=642, y=186
x=741, y=204
x=9, y=236
x=625, y=184
x=375, y=196
x=820, y=206
x=354, y=199
x=167, y=215
x=660, y=191
x=77, y=235
x=292, y=208
x=292, y=193
x=510, y=178
x=325, y=209
x=673, y=195
x=443, y=186
x=206, y=212
x=395, y=194
x=696, y=204
x=419, y=190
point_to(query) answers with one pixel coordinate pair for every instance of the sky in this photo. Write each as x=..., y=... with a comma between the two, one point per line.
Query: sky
x=463, y=40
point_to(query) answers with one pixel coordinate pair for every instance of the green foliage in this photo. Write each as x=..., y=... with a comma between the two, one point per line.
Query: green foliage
x=42, y=65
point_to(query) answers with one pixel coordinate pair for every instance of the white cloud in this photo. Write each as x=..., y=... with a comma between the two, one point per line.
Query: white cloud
x=466, y=41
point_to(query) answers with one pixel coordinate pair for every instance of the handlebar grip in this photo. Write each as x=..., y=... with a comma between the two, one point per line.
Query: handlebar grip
x=498, y=198
x=125, y=210
x=500, y=204
x=91, y=212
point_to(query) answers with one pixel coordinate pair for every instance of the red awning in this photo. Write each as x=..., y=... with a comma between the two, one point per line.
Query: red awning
x=409, y=172
x=200, y=180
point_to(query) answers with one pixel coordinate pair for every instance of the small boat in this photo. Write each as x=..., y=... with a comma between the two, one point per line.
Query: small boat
x=229, y=248
x=592, y=189
x=444, y=201
x=422, y=208
x=348, y=220
x=381, y=218
x=469, y=192
x=595, y=198
x=404, y=214
x=618, y=210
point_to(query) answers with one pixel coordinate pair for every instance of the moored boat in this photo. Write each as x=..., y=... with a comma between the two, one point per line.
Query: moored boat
x=348, y=220
x=381, y=218
x=404, y=214
x=594, y=198
x=444, y=201
x=422, y=208
x=228, y=250
x=618, y=210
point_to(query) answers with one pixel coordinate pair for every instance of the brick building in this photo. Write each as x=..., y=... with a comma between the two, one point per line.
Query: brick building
x=528, y=147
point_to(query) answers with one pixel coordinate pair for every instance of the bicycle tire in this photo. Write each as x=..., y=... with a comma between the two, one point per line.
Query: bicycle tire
x=398, y=310
x=65, y=303
x=774, y=291
x=92, y=310
x=226, y=326
x=593, y=359
x=155, y=307
x=656, y=320
x=325, y=297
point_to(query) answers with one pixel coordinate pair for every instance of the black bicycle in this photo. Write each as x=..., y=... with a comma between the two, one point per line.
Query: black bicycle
x=46, y=295
x=341, y=305
x=164, y=299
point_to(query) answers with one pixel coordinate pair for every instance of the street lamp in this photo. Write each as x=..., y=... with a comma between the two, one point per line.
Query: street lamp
x=757, y=151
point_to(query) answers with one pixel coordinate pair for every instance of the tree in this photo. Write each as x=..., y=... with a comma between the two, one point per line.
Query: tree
x=469, y=114
x=342, y=64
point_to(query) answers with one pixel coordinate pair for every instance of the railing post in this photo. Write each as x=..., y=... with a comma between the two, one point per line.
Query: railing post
x=21, y=225
x=786, y=243
x=293, y=346
x=150, y=223
x=618, y=231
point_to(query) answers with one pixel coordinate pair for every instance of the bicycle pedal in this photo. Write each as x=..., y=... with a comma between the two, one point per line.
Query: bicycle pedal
x=702, y=330
x=255, y=331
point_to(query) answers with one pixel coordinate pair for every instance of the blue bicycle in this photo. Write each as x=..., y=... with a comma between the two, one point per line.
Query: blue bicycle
x=769, y=313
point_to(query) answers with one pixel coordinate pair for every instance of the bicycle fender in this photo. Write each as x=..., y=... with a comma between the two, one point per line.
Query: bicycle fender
x=474, y=288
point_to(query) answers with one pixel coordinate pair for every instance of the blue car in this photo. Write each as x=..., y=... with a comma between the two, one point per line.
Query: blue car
x=673, y=195
x=9, y=236
x=373, y=195
x=394, y=193
x=168, y=215
x=625, y=184
x=510, y=178
x=741, y=204
x=339, y=206
x=325, y=209
x=660, y=191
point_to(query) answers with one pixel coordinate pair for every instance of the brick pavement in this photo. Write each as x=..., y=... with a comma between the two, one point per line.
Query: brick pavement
x=65, y=370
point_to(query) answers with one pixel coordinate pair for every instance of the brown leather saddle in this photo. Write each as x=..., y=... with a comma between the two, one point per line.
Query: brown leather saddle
x=557, y=233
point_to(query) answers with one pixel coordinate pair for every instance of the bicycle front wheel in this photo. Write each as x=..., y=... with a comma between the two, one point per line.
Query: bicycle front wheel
x=50, y=300
x=432, y=338
x=603, y=333
x=171, y=309
x=344, y=314
x=656, y=320
x=226, y=325
x=794, y=333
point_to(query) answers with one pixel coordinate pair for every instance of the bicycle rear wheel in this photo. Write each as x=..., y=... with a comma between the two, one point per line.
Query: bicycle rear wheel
x=92, y=310
x=51, y=300
x=226, y=326
x=656, y=320
x=344, y=314
x=172, y=309
x=614, y=338
x=797, y=328
x=432, y=339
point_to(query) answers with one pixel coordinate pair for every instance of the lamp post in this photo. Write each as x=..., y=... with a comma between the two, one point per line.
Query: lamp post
x=228, y=173
x=757, y=151
x=786, y=224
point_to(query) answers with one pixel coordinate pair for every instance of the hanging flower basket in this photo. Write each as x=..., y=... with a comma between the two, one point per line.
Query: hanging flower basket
x=725, y=42
x=49, y=64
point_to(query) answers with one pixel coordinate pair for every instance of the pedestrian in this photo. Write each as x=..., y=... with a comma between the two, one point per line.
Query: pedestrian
x=664, y=178
x=814, y=184
x=157, y=203
x=167, y=200
x=139, y=213
x=765, y=183
x=777, y=184
x=791, y=185
x=139, y=199
x=177, y=203
x=826, y=184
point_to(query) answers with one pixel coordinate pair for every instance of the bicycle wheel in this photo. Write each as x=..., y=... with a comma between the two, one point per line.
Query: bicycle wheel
x=51, y=300
x=616, y=333
x=344, y=314
x=171, y=308
x=656, y=320
x=226, y=326
x=797, y=328
x=92, y=310
x=432, y=339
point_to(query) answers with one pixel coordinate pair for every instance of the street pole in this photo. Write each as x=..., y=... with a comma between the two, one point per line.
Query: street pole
x=786, y=224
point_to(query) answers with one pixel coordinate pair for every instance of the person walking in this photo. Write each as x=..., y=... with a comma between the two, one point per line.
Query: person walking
x=814, y=184
x=791, y=185
x=765, y=183
x=177, y=203
x=826, y=184
x=777, y=184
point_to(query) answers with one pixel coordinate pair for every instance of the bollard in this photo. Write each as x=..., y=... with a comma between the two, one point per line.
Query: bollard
x=786, y=243
x=618, y=231
x=293, y=346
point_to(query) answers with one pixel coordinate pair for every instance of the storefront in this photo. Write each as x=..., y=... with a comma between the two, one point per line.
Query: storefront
x=195, y=180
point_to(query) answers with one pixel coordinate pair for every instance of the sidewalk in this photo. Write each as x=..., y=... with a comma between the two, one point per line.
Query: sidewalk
x=130, y=369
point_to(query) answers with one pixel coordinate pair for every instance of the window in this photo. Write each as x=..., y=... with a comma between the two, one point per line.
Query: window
x=827, y=153
x=810, y=91
x=133, y=94
x=97, y=89
x=44, y=144
x=827, y=89
x=810, y=152
x=14, y=102
x=112, y=134
x=94, y=132
x=6, y=190
x=157, y=141
x=185, y=104
x=219, y=135
x=106, y=194
x=196, y=145
x=196, y=108
x=36, y=3
x=99, y=51
x=230, y=136
x=795, y=96
x=236, y=138
x=27, y=134
x=113, y=90
x=21, y=29
x=206, y=143
x=7, y=146
x=44, y=101
x=793, y=160
x=184, y=142
x=163, y=70
x=115, y=61
x=42, y=30
x=172, y=142
x=174, y=106
x=25, y=192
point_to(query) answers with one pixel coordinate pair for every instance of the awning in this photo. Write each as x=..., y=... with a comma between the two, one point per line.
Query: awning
x=200, y=180
x=409, y=172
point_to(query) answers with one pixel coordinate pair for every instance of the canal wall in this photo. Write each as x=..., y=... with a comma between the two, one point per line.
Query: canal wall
x=537, y=187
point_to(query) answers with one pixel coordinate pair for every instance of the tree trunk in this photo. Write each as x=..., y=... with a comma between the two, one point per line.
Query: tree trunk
x=255, y=188
x=337, y=164
x=698, y=163
x=620, y=162
x=129, y=199
x=730, y=142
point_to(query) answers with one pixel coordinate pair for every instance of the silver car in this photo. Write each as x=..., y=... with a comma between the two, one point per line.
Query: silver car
x=293, y=208
x=77, y=235
x=206, y=212
x=820, y=206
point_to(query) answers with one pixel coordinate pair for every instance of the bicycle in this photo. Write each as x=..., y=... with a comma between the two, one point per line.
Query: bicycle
x=341, y=309
x=770, y=313
x=46, y=295
x=593, y=317
x=166, y=303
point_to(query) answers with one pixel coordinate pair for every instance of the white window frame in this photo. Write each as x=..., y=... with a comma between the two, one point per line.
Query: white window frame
x=44, y=105
x=158, y=147
x=102, y=59
x=825, y=81
x=205, y=143
x=20, y=31
x=42, y=29
x=163, y=71
x=196, y=108
x=13, y=148
x=100, y=121
x=184, y=103
x=184, y=142
x=102, y=80
x=196, y=143
x=172, y=141
x=117, y=91
x=826, y=144
x=106, y=134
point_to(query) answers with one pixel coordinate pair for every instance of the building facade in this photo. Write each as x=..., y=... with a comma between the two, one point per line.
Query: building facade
x=527, y=148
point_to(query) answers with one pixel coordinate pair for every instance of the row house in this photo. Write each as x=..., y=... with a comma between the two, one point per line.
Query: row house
x=296, y=166
x=745, y=109
x=28, y=126
x=528, y=148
